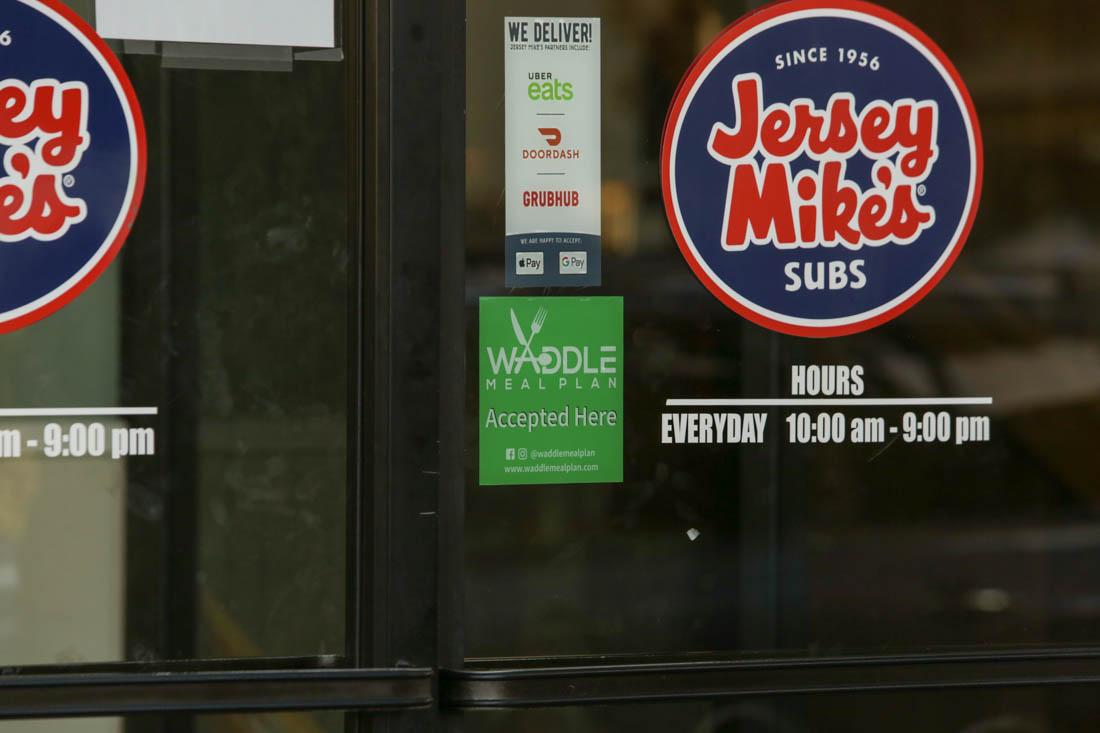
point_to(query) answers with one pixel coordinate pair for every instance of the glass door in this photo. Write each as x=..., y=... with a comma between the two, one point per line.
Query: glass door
x=195, y=523
x=905, y=504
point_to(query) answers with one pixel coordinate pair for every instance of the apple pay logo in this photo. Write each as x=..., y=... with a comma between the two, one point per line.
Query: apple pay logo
x=573, y=263
x=530, y=263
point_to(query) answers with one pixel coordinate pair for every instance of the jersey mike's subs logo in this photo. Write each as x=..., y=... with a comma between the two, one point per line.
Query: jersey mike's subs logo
x=72, y=150
x=821, y=166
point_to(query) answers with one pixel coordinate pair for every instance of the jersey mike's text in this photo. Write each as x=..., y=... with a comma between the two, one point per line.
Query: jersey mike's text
x=44, y=127
x=767, y=203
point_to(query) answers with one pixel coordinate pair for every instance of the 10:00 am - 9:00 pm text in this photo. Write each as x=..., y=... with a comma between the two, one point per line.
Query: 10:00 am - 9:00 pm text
x=79, y=440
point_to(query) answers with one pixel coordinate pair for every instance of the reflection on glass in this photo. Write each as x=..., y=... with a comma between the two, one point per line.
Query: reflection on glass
x=817, y=549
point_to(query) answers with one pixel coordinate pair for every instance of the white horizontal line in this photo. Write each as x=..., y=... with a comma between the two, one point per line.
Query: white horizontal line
x=834, y=402
x=79, y=412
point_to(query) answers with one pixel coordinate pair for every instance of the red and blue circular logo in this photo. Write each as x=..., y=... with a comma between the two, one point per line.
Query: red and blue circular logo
x=822, y=166
x=72, y=146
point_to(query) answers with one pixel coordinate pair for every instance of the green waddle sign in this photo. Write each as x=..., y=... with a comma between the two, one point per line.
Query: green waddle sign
x=551, y=390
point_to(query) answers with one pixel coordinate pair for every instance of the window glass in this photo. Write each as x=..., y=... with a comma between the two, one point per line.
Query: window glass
x=225, y=311
x=818, y=549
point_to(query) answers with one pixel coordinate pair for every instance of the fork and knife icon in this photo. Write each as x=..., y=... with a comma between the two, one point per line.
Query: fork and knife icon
x=525, y=341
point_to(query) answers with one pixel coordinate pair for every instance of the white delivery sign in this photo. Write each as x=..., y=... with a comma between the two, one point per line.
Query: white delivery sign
x=552, y=146
x=304, y=23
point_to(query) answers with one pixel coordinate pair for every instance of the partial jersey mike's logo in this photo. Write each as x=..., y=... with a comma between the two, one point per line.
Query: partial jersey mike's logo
x=72, y=146
x=821, y=166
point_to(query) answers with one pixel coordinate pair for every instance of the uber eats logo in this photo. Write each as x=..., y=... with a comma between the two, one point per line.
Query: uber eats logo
x=550, y=386
x=545, y=87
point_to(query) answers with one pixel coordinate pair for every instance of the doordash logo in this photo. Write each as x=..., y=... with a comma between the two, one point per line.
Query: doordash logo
x=821, y=166
x=553, y=137
x=72, y=146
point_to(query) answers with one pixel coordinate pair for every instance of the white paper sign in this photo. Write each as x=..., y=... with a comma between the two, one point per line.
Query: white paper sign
x=304, y=23
x=552, y=146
